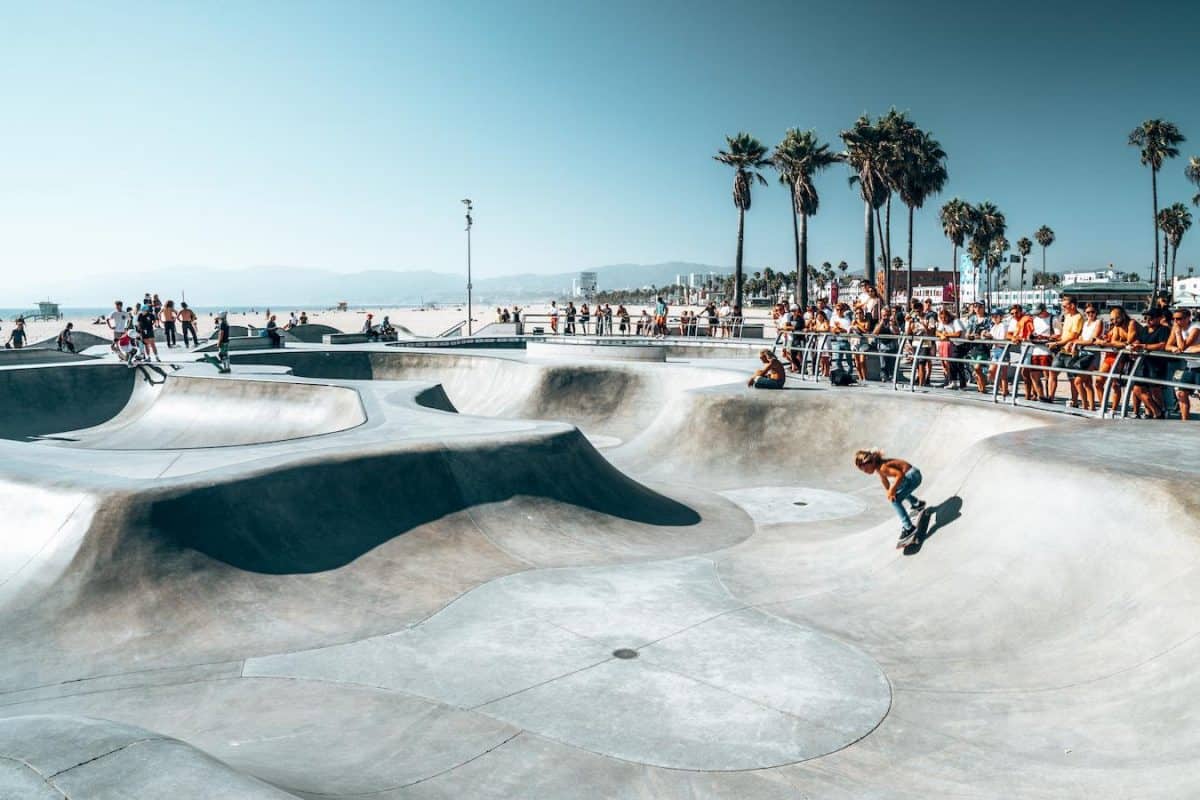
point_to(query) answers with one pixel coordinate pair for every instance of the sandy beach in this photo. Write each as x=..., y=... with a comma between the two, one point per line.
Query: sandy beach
x=420, y=321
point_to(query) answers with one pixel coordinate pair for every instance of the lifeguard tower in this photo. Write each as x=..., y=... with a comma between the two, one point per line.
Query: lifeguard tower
x=46, y=310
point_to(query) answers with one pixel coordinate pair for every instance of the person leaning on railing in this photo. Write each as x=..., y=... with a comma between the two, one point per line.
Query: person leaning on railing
x=1151, y=337
x=885, y=342
x=1185, y=338
x=1020, y=331
x=1063, y=348
x=1121, y=331
x=1082, y=356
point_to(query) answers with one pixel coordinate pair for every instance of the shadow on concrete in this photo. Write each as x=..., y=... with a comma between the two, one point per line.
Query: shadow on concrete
x=941, y=515
x=318, y=516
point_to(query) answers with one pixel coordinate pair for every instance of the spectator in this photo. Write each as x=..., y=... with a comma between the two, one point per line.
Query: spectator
x=839, y=326
x=622, y=319
x=303, y=317
x=660, y=318
x=145, y=329
x=723, y=314
x=1069, y=332
x=1084, y=359
x=273, y=332
x=947, y=330
x=553, y=316
x=168, y=316
x=1185, y=338
x=885, y=343
x=187, y=320
x=771, y=376
x=569, y=329
x=1020, y=331
x=17, y=336
x=585, y=316
x=922, y=351
x=65, y=339
x=862, y=326
x=998, y=333
x=1151, y=338
x=1121, y=332
x=118, y=320
x=1039, y=354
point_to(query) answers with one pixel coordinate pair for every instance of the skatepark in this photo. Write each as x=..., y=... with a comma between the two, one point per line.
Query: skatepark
x=377, y=571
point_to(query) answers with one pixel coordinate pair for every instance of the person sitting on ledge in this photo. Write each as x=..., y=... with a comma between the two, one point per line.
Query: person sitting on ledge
x=369, y=328
x=771, y=376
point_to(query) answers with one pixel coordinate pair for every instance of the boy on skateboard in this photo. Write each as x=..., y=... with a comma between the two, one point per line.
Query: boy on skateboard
x=900, y=479
x=221, y=362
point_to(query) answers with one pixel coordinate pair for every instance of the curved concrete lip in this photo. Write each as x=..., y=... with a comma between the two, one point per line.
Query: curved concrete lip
x=594, y=350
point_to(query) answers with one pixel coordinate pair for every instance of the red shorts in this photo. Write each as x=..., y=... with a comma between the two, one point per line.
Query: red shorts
x=1040, y=361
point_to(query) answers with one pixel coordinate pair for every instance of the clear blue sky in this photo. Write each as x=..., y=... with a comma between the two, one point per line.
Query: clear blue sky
x=343, y=135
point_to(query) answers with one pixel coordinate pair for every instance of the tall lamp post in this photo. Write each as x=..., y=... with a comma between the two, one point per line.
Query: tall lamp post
x=470, y=208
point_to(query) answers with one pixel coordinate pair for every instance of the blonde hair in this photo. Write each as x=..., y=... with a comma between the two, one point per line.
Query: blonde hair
x=864, y=457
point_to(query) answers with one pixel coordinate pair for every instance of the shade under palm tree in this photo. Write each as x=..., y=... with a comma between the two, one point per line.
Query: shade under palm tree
x=746, y=155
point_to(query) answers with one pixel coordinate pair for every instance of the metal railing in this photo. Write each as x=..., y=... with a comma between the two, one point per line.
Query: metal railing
x=1116, y=383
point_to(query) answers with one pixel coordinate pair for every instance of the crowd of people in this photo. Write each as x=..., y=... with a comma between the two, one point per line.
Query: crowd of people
x=990, y=350
x=656, y=323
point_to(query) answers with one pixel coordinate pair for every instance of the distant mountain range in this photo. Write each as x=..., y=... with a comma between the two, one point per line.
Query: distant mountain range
x=284, y=286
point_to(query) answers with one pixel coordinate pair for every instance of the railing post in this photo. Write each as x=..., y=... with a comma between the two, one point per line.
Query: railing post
x=1137, y=365
x=1002, y=364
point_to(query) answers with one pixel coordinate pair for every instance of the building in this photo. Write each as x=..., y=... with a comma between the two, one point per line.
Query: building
x=584, y=286
x=1186, y=292
x=927, y=284
x=1107, y=288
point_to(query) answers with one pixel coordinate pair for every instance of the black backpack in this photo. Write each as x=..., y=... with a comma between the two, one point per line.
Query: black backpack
x=841, y=377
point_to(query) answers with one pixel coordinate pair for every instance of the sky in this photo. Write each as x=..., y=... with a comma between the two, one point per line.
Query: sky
x=342, y=136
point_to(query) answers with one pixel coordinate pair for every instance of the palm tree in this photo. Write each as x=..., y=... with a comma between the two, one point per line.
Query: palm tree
x=1178, y=222
x=957, y=221
x=921, y=173
x=1192, y=173
x=987, y=223
x=798, y=158
x=997, y=246
x=1045, y=237
x=746, y=155
x=864, y=153
x=976, y=251
x=1024, y=247
x=1157, y=139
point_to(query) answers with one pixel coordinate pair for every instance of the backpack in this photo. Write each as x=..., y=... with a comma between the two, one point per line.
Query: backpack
x=841, y=377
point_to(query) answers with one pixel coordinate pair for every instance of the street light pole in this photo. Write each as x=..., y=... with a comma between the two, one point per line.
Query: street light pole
x=470, y=208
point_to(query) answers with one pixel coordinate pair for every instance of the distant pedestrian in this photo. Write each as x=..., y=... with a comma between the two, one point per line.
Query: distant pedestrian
x=118, y=321
x=145, y=329
x=273, y=332
x=187, y=319
x=168, y=316
x=65, y=339
x=17, y=336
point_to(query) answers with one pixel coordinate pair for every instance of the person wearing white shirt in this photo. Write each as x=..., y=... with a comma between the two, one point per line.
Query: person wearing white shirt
x=840, y=323
x=118, y=321
x=999, y=333
x=947, y=329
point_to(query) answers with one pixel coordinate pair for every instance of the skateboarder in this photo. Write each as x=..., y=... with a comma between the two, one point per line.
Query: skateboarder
x=900, y=479
x=221, y=362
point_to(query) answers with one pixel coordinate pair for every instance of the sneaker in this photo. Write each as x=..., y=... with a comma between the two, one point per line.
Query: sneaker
x=919, y=506
x=906, y=534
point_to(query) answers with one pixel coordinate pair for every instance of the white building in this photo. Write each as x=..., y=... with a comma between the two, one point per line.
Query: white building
x=584, y=286
x=1186, y=291
x=1099, y=276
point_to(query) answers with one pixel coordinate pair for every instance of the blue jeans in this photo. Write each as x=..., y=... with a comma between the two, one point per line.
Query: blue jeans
x=763, y=382
x=904, y=491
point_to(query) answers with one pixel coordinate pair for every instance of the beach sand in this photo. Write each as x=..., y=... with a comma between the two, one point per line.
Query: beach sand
x=422, y=322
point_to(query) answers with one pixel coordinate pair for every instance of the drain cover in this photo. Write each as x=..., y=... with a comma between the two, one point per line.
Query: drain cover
x=799, y=503
x=625, y=653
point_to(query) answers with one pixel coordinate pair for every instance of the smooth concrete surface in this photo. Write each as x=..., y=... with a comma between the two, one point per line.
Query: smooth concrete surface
x=434, y=602
x=594, y=350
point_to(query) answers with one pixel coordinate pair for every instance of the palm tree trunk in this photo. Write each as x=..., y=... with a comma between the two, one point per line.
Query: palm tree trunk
x=954, y=262
x=869, y=243
x=796, y=238
x=908, y=281
x=1166, y=243
x=802, y=272
x=1171, y=281
x=887, y=265
x=737, y=266
x=1022, y=274
x=887, y=239
x=1044, y=264
x=1154, y=192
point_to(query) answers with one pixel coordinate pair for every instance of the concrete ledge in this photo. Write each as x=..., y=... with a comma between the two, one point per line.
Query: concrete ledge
x=353, y=338
x=244, y=343
x=594, y=350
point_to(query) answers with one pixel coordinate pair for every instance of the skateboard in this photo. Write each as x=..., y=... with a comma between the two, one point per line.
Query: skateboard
x=216, y=362
x=919, y=530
